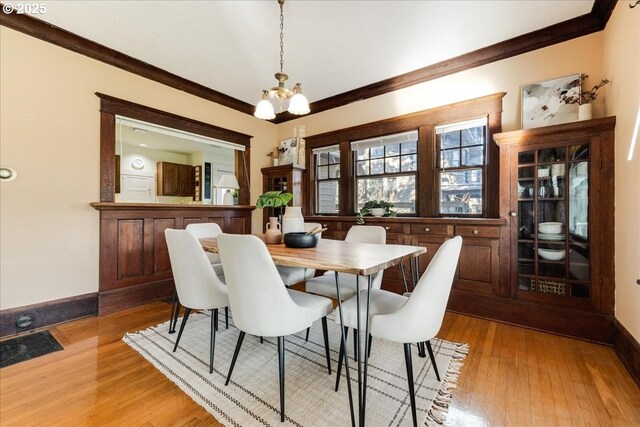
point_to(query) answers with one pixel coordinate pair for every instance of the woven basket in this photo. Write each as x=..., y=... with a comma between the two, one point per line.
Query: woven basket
x=547, y=286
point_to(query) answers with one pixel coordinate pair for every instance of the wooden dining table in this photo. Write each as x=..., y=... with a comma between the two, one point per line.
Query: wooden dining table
x=360, y=259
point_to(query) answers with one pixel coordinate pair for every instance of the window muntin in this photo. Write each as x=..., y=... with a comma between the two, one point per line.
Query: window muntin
x=327, y=161
x=386, y=169
x=461, y=156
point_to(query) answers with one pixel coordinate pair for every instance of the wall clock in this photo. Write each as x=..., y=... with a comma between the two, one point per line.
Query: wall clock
x=137, y=163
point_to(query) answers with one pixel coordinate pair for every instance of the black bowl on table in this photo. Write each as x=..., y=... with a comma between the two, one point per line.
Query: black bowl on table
x=301, y=240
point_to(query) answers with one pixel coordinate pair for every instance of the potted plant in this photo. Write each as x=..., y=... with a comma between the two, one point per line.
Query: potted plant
x=376, y=208
x=584, y=98
x=275, y=154
x=273, y=199
x=234, y=193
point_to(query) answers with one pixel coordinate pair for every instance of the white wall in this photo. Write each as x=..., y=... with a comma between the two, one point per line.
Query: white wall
x=50, y=133
x=622, y=99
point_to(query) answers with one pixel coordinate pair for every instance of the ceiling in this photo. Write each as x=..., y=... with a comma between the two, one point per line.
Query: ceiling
x=134, y=136
x=331, y=47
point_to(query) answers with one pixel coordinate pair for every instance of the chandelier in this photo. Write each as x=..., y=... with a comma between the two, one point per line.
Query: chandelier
x=298, y=103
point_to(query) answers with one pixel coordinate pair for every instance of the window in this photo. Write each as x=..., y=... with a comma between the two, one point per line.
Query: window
x=461, y=161
x=327, y=164
x=386, y=168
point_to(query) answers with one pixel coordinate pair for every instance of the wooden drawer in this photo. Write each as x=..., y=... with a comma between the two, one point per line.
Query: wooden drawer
x=477, y=231
x=432, y=229
x=389, y=227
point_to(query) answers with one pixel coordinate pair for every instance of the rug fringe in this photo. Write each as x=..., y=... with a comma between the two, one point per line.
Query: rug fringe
x=437, y=414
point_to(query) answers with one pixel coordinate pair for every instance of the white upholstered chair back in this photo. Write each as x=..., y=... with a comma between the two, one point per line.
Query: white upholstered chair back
x=259, y=300
x=202, y=230
x=196, y=282
x=366, y=234
x=421, y=317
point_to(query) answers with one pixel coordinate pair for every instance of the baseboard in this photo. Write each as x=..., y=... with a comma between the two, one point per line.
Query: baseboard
x=579, y=324
x=131, y=296
x=49, y=313
x=628, y=350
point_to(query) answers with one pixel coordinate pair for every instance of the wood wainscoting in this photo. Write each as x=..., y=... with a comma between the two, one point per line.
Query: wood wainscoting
x=134, y=261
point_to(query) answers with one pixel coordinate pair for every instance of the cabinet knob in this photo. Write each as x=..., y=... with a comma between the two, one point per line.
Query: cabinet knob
x=427, y=229
x=514, y=213
x=476, y=231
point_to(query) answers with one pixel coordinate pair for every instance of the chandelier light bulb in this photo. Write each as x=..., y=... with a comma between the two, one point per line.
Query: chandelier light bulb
x=264, y=109
x=298, y=104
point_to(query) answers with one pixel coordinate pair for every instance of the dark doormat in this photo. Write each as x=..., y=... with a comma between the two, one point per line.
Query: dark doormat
x=27, y=347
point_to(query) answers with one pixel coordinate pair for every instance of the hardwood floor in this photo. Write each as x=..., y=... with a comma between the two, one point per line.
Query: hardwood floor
x=511, y=377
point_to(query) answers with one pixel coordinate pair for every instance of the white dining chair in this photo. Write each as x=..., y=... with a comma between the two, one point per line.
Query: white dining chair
x=197, y=284
x=292, y=275
x=200, y=231
x=326, y=284
x=414, y=319
x=261, y=304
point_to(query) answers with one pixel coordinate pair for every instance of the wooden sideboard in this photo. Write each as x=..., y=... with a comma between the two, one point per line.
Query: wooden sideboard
x=479, y=269
x=134, y=261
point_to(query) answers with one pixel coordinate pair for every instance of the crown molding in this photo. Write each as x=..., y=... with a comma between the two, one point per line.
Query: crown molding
x=55, y=35
x=592, y=22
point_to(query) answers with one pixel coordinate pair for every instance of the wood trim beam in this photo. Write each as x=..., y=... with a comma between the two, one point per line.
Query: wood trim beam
x=55, y=35
x=113, y=105
x=573, y=28
x=583, y=25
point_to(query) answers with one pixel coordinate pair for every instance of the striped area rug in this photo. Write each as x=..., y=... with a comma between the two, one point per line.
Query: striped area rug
x=252, y=396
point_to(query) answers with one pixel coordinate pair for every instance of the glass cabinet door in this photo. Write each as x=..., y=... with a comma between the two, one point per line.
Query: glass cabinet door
x=553, y=217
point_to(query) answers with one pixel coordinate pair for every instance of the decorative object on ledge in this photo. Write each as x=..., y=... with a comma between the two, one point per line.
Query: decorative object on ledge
x=298, y=103
x=542, y=104
x=230, y=182
x=292, y=220
x=582, y=98
x=377, y=208
x=273, y=232
x=275, y=155
x=289, y=148
x=273, y=199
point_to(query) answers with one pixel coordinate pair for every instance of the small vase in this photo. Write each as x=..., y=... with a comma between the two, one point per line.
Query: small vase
x=273, y=235
x=584, y=112
x=276, y=162
x=292, y=220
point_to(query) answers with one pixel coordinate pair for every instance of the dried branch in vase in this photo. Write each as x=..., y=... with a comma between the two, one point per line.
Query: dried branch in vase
x=585, y=96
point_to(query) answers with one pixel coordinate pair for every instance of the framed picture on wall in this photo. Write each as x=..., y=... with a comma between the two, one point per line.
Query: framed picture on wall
x=541, y=103
x=290, y=155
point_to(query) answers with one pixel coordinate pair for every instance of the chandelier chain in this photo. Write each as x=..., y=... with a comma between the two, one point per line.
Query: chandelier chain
x=281, y=36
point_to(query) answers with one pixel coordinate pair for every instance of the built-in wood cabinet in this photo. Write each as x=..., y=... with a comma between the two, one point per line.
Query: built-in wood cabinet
x=557, y=194
x=134, y=260
x=479, y=269
x=175, y=179
x=286, y=178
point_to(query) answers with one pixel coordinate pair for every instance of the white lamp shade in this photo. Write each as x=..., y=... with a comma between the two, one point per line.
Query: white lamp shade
x=298, y=104
x=228, y=181
x=264, y=110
